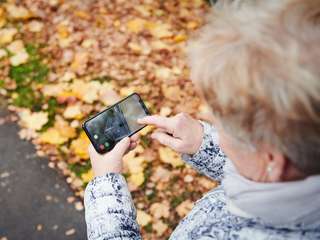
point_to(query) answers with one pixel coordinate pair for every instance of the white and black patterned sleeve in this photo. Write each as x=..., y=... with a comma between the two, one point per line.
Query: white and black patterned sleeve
x=109, y=209
x=209, y=160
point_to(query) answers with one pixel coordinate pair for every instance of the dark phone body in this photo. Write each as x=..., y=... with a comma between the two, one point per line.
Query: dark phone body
x=108, y=127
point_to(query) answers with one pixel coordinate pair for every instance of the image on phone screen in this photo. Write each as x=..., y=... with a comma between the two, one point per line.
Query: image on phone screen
x=110, y=126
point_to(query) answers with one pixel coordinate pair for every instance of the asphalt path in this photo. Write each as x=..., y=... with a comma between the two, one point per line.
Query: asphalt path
x=33, y=197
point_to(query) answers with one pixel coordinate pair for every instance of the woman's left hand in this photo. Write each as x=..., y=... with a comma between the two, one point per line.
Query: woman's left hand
x=111, y=161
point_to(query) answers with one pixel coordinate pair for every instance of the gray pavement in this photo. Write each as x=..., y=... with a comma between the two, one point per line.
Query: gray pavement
x=33, y=197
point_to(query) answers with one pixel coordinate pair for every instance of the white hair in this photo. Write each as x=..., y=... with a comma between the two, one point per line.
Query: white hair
x=258, y=66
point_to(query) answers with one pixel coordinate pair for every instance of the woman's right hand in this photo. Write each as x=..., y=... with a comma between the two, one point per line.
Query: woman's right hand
x=182, y=133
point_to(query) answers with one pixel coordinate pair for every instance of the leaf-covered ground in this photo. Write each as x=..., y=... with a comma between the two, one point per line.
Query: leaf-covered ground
x=64, y=60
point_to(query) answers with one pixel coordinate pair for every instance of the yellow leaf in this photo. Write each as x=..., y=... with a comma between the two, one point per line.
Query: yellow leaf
x=135, y=47
x=73, y=112
x=184, y=208
x=163, y=73
x=88, y=176
x=144, y=10
x=134, y=164
x=52, y=136
x=180, y=38
x=68, y=76
x=60, y=133
x=125, y=91
x=18, y=12
x=82, y=14
x=80, y=146
x=33, y=120
x=35, y=26
x=143, y=218
x=79, y=61
x=146, y=130
x=64, y=128
x=87, y=43
x=54, y=90
x=19, y=58
x=107, y=94
x=192, y=25
x=16, y=46
x=3, y=53
x=160, y=227
x=136, y=25
x=159, y=30
x=159, y=210
x=63, y=31
x=7, y=35
x=165, y=111
x=2, y=18
x=136, y=179
x=158, y=45
x=169, y=156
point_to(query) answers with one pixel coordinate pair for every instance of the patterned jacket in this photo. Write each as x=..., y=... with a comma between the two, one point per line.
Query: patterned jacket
x=110, y=212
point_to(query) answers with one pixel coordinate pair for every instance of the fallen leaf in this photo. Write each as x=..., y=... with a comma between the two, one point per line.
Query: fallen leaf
x=188, y=178
x=165, y=111
x=161, y=175
x=184, y=208
x=180, y=38
x=17, y=12
x=107, y=95
x=52, y=136
x=136, y=179
x=78, y=206
x=207, y=183
x=3, y=53
x=159, y=210
x=163, y=73
x=146, y=130
x=143, y=218
x=7, y=35
x=70, y=232
x=159, y=30
x=16, y=47
x=88, y=176
x=73, y=112
x=160, y=227
x=39, y=227
x=80, y=146
x=19, y=58
x=169, y=156
x=35, y=26
x=134, y=164
x=33, y=120
x=136, y=25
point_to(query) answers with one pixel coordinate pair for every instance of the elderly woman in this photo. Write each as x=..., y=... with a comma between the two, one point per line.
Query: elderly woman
x=257, y=65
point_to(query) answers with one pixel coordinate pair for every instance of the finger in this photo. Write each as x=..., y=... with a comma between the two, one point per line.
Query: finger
x=133, y=145
x=159, y=121
x=122, y=146
x=167, y=140
x=135, y=137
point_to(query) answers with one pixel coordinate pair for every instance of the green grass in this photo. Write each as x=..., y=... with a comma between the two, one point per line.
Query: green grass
x=27, y=76
x=79, y=169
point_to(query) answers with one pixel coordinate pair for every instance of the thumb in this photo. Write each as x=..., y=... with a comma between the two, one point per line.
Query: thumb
x=122, y=146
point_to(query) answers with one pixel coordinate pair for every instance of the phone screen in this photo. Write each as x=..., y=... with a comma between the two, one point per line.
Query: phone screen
x=111, y=125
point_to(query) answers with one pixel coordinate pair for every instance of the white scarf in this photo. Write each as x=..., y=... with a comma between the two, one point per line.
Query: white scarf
x=285, y=203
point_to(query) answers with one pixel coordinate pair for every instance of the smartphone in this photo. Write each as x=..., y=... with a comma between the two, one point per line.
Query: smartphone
x=108, y=127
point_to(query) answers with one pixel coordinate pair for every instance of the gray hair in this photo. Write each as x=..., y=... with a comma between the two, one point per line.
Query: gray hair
x=258, y=65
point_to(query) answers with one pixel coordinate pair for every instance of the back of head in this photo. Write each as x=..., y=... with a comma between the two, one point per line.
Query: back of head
x=257, y=64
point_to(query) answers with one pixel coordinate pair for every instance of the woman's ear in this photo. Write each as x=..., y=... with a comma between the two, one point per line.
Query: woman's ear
x=276, y=167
